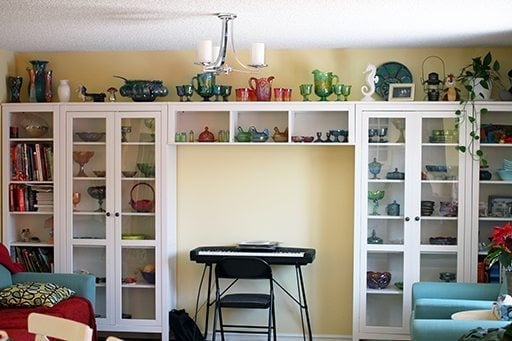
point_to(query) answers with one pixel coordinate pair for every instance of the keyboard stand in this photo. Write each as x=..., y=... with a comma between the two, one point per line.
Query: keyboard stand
x=301, y=300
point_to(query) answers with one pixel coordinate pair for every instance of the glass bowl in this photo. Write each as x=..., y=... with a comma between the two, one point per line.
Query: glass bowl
x=35, y=131
x=87, y=136
x=148, y=169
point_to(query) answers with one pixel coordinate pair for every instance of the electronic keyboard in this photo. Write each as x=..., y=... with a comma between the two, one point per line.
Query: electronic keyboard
x=277, y=255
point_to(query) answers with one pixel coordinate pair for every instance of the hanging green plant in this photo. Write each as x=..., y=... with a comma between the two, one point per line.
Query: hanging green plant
x=477, y=79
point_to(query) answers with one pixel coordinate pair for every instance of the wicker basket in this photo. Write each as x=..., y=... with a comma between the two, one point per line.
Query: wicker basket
x=142, y=205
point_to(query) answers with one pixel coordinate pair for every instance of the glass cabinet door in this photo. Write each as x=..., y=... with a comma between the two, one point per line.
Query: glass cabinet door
x=492, y=198
x=412, y=227
x=442, y=200
x=385, y=235
x=136, y=224
x=90, y=230
x=113, y=227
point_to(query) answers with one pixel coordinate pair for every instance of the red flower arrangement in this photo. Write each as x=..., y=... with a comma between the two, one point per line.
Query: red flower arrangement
x=501, y=246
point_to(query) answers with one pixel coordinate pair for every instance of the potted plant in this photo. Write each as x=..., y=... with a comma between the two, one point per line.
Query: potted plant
x=477, y=78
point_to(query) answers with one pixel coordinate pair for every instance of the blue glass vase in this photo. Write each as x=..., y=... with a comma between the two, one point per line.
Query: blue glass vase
x=39, y=67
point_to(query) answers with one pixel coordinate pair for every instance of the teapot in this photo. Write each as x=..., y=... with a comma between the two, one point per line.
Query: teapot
x=243, y=136
x=257, y=136
x=323, y=82
x=280, y=136
x=262, y=87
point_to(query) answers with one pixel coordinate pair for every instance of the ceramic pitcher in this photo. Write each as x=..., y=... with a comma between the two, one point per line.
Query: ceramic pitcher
x=323, y=82
x=262, y=87
x=203, y=84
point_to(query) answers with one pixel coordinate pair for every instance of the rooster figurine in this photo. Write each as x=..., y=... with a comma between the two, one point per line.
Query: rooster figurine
x=451, y=92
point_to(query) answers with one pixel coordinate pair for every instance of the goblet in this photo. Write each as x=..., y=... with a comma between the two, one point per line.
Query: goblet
x=375, y=196
x=150, y=123
x=399, y=124
x=82, y=157
x=189, y=91
x=180, y=91
x=305, y=91
x=125, y=130
x=76, y=200
x=371, y=134
x=98, y=193
x=217, y=92
x=225, y=92
x=375, y=167
x=382, y=133
x=337, y=89
x=318, y=137
x=346, y=91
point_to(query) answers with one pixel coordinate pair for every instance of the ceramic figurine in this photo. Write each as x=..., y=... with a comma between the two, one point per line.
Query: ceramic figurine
x=371, y=79
x=96, y=97
x=451, y=93
x=112, y=94
x=25, y=235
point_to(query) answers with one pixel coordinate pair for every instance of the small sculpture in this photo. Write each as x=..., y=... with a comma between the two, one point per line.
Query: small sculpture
x=112, y=94
x=371, y=80
x=451, y=92
x=96, y=97
x=25, y=235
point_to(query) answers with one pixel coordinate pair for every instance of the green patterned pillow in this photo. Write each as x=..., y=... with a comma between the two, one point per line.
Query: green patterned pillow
x=33, y=294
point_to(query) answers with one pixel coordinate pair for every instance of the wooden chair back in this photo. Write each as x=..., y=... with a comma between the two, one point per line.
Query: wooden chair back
x=45, y=326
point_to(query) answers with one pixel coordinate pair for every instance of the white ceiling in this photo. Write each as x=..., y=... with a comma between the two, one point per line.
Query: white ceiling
x=76, y=25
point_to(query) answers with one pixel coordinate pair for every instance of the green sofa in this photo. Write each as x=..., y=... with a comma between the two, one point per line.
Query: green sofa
x=435, y=302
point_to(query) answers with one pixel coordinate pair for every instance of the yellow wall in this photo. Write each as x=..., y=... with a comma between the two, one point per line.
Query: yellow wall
x=290, y=67
x=296, y=195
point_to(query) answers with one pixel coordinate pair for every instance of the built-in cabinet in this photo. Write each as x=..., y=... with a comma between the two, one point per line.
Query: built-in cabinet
x=491, y=200
x=282, y=122
x=422, y=212
x=30, y=199
x=114, y=186
x=113, y=209
x=98, y=189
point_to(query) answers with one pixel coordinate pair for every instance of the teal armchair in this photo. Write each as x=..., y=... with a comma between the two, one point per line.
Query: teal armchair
x=82, y=285
x=435, y=302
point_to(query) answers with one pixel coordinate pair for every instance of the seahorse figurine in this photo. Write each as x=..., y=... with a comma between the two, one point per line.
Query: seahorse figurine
x=371, y=79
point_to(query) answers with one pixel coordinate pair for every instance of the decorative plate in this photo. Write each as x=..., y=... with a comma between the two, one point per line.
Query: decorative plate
x=388, y=73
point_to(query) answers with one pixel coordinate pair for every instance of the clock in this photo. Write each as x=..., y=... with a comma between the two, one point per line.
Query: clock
x=389, y=73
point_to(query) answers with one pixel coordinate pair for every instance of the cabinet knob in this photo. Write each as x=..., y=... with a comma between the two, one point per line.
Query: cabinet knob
x=417, y=218
x=117, y=214
x=407, y=218
x=108, y=214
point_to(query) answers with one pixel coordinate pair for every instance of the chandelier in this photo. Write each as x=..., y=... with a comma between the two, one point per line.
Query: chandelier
x=213, y=59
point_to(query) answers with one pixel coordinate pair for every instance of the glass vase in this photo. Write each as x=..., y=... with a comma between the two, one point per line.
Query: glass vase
x=48, y=93
x=39, y=67
x=14, y=84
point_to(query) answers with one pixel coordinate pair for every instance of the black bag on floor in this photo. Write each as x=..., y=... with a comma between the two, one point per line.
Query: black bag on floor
x=183, y=327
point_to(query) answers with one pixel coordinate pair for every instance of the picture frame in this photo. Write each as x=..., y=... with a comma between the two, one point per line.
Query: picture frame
x=500, y=206
x=401, y=92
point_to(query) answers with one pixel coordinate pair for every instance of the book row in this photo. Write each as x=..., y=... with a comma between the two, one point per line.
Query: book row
x=31, y=162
